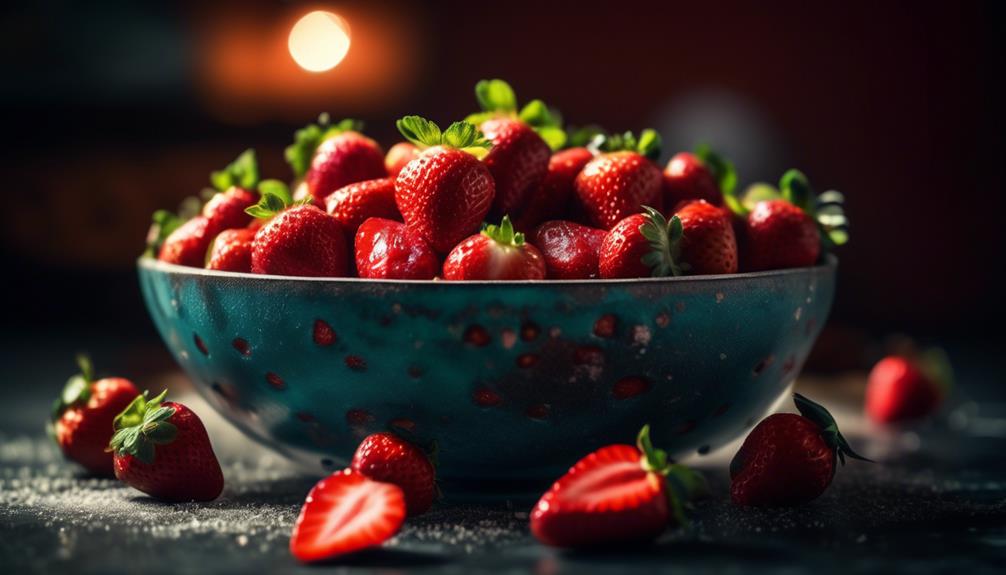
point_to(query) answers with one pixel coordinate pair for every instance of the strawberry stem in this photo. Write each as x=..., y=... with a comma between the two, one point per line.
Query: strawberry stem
x=77, y=389
x=664, y=237
x=683, y=484
x=829, y=428
x=242, y=172
x=504, y=233
x=142, y=426
x=463, y=136
x=648, y=143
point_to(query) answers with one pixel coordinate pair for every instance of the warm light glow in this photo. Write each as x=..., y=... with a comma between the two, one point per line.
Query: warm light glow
x=319, y=41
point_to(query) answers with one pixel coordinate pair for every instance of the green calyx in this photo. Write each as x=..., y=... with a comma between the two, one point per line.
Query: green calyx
x=664, y=237
x=77, y=389
x=582, y=136
x=164, y=222
x=242, y=173
x=307, y=139
x=829, y=429
x=504, y=233
x=826, y=209
x=497, y=99
x=722, y=169
x=142, y=426
x=683, y=484
x=463, y=135
x=648, y=143
x=274, y=197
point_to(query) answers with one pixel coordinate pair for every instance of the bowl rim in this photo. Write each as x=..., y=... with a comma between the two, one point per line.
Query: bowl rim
x=829, y=264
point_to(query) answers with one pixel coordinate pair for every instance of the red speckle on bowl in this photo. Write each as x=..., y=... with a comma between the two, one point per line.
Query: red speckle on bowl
x=275, y=381
x=762, y=365
x=305, y=416
x=485, y=397
x=477, y=335
x=415, y=371
x=663, y=319
x=686, y=427
x=356, y=363
x=538, y=411
x=526, y=360
x=358, y=417
x=323, y=333
x=605, y=325
x=529, y=331
x=588, y=355
x=508, y=338
x=630, y=387
x=241, y=345
x=200, y=344
x=403, y=423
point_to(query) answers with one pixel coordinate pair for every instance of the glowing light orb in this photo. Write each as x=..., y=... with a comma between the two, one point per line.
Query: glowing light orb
x=319, y=41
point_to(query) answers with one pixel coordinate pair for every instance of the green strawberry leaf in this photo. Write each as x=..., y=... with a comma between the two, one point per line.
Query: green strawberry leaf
x=796, y=190
x=504, y=233
x=463, y=135
x=829, y=428
x=307, y=139
x=419, y=131
x=162, y=224
x=546, y=122
x=581, y=137
x=683, y=484
x=832, y=222
x=647, y=144
x=722, y=169
x=142, y=426
x=269, y=204
x=655, y=460
x=664, y=237
x=277, y=188
x=242, y=172
x=495, y=96
x=553, y=136
x=77, y=389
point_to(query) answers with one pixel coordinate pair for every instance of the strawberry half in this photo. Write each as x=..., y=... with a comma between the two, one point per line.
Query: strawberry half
x=386, y=249
x=161, y=448
x=82, y=416
x=617, y=494
x=330, y=156
x=353, y=204
x=231, y=251
x=570, y=250
x=344, y=513
x=908, y=386
x=497, y=253
x=389, y=458
x=446, y=192
x=618, y=182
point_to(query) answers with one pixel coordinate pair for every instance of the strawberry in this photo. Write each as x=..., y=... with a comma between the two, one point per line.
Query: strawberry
x=82, y=416
x=226, y=210
x=300, y=240
x=617, y=494
x=161, y=448
x=446, y=192
x=188, y=243
x=344, y=513
x=698, y=176
x=386, y=249
x=353, y=204
x=788, y=459
x=788, y=230
x=389, y=458
x=641, y=245
x=906, y=387
x=400, y=154
x=231, y=251
x=617, y=183
x=570, y=250
x=330, y=156
x=552, y=197
x=708, y=245
x=497, y=253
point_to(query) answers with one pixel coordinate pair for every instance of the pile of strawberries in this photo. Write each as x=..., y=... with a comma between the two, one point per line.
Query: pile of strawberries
x=578, y=204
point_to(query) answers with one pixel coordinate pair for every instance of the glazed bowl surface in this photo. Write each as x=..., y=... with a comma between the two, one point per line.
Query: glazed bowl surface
x=508, y=380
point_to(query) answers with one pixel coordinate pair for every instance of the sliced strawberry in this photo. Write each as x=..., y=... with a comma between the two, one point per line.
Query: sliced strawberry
x=344, y=513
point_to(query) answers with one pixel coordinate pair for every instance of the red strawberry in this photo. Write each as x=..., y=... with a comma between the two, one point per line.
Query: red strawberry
x=497, y=253
x=353, y=204
x=617, y=494
x=570, y=250
x=641, y=245
x=903, y=388
x=518, y=162
x=329, y=157
x=616, y=184
x=82, y=416
x=400, y=154
x=687, y=177
x=300, y=241
x=386, y=249
x=788, y=459
x=344, y=513
x=552, y=197
x=446, y=192
x=226, y=210
x=161, y=448
x=231, y=251
x=188, y=244
x=708, y=245
x=389, y=458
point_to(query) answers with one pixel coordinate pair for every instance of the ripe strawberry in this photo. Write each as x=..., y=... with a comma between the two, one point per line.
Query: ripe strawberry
x=400, y=154
x=617, y=183
x=386, y=249
x=188, y=244
x=552, y=197
x=344, y=513
x=226, y=210
x=231, y=251
x=329, y=156
x=353, y=204
x=445, y=192
x=300, y=241
x=641, y=245
x=788, y=459
x=389, y=458
x=497, y=253
x=82, y=416
x=903, y=388
x=161, y=448
x=708, y=245
x=570, y=250
x=698, y=176
x=518, y=162
x=617, y=494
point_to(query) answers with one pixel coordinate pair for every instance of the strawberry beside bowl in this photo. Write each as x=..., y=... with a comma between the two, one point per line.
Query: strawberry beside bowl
x=510, y=380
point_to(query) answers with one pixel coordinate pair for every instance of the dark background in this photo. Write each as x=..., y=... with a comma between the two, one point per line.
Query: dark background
x=113, y=109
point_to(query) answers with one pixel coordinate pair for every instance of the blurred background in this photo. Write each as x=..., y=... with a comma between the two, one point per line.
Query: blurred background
x=114, y=109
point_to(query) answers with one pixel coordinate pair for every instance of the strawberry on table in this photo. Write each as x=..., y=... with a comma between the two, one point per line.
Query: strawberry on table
x=622, y=179
x=553, y=196
x=353, y=204
x=330, y=156
x=789, y=459
x=299, y=240
x=231, y=251
x=400, y=154
x=617, y=494
x=344, y=513
x=446, y=192
x=161, y=448
x=703, y=175
x=389, y=458
x=386, y=249
x=570, y=250
x=909, y=386
x=82, y=416
x=497, y=253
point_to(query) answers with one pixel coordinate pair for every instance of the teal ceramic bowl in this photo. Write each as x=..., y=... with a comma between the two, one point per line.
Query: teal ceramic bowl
x=509, y=380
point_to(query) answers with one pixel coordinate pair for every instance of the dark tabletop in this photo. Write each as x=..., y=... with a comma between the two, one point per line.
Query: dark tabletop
x=934, y=502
